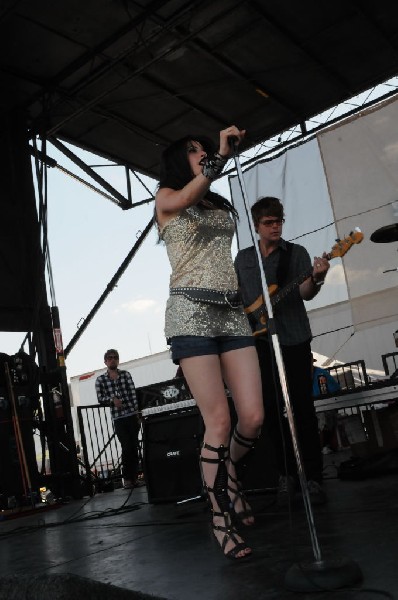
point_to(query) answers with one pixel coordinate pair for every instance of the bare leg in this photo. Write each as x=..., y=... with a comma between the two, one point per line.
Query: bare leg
x=242, y=375
x=203, y=375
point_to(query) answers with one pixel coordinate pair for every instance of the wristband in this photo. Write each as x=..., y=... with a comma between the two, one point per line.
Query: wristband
x=214, y=166
x=316, y=283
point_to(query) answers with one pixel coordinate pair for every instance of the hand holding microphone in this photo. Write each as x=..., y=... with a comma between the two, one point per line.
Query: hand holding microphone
x=230, y=138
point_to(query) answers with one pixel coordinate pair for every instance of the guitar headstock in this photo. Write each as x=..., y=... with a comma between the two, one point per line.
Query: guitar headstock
x=342, y=246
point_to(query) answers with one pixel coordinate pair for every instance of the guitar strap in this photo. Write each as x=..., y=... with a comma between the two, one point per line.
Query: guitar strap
x=283, y=265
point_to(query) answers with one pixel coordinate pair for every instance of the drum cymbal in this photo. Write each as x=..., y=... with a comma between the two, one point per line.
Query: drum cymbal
x=389, y=233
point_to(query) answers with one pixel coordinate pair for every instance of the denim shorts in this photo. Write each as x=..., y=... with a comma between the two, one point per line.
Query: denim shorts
x=185, y=346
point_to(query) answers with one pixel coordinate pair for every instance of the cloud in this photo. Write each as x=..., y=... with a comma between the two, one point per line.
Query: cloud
x=139, y=306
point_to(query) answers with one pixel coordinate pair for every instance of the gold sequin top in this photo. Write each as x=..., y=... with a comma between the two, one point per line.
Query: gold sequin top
x=198, y=245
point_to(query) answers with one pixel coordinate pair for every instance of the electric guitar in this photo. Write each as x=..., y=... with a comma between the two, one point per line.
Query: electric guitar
x=257, y=311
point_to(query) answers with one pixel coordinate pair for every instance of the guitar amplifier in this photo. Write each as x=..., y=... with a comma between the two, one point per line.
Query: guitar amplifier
x=171, y=456
x=164, y=397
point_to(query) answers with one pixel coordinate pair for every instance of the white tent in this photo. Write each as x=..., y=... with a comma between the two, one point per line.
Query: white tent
x=345, y=177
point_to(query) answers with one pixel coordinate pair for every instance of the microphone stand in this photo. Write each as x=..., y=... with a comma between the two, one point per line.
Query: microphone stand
x=320, y=574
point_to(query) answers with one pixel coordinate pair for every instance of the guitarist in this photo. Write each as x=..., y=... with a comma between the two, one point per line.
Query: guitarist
x=283, y=263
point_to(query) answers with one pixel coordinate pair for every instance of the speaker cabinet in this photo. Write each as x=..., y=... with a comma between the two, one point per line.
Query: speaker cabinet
x=258, y=469
x=171, y=456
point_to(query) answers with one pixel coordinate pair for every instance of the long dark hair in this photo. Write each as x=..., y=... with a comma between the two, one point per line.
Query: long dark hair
x=175, y=170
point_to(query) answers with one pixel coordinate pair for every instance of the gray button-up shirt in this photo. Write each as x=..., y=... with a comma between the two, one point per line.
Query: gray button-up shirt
x=291, y=319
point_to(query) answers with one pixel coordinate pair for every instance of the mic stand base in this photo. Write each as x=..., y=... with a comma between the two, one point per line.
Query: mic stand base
x=324, y=575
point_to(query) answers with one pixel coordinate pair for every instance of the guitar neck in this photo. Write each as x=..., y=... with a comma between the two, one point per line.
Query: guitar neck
x=290, y=287
x=279, y=295
x=257, y=312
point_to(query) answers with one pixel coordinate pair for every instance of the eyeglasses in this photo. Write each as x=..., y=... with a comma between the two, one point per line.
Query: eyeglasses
x=112, y=357
x=271, y=222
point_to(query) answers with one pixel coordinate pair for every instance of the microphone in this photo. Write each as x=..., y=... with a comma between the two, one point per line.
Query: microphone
x=233, y=141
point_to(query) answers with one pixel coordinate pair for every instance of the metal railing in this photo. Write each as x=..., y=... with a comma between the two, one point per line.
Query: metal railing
x=349, y=408
x=350, y=375
x=100, y=448
x=390, y=364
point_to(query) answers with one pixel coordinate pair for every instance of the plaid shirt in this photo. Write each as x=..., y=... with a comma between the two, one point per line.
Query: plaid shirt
x=123, y=387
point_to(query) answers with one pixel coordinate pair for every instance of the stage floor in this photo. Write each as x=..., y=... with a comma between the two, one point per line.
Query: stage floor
x=166, y=549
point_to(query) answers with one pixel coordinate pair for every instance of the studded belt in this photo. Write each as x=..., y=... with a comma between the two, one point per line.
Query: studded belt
x=208, y=296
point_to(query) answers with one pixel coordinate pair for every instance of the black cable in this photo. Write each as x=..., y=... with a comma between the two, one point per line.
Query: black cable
x=94, y=515
x=79, y=509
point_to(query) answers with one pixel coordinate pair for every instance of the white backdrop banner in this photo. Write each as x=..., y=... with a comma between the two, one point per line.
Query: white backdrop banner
x=297, y=178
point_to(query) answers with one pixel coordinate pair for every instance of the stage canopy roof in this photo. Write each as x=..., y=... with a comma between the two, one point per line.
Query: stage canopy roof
x=123, y=79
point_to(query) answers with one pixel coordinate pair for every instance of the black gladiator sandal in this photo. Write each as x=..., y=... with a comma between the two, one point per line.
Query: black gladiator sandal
x=222, y=501
x=236, y=492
